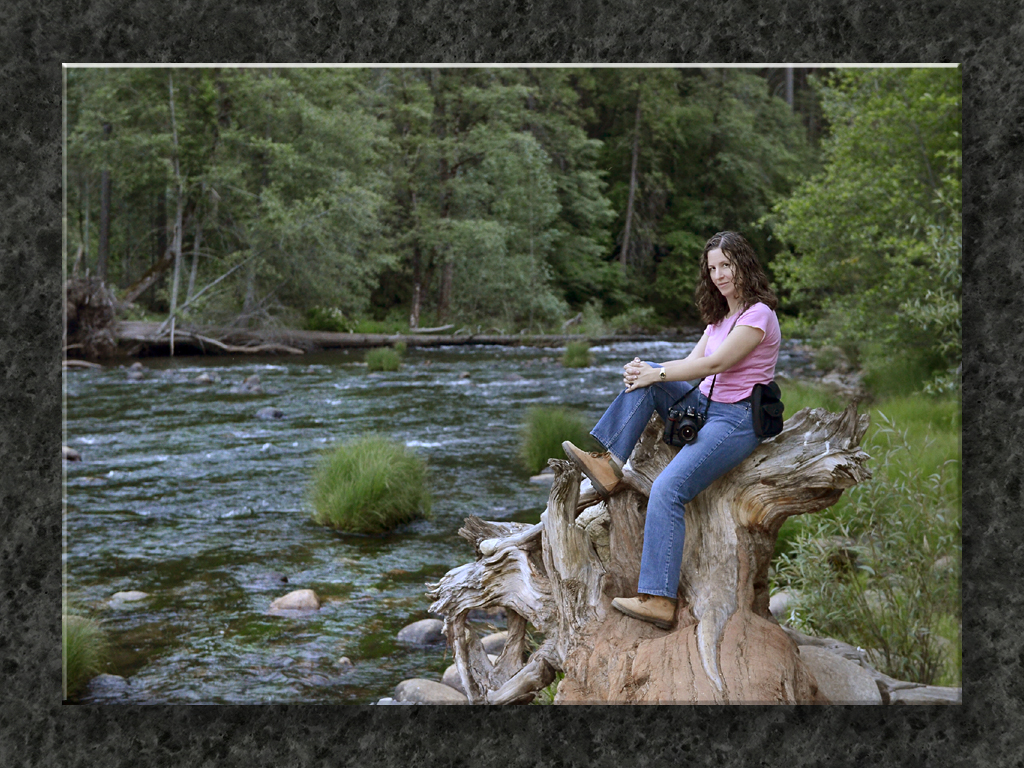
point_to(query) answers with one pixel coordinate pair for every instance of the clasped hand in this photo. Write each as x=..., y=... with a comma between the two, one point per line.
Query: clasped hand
x=633, y=371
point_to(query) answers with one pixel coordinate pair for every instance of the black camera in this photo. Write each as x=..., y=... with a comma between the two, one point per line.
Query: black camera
x=682, y=426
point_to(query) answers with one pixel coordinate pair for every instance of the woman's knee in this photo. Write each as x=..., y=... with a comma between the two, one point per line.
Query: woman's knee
x=668, y=488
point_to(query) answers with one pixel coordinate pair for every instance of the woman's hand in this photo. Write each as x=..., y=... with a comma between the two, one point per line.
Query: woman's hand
x=634, y=374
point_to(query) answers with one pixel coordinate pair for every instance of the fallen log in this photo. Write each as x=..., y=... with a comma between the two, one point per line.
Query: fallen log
x=140, y=332
x=561, y=575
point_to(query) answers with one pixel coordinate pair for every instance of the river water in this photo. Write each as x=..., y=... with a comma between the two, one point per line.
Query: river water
x=185, y=494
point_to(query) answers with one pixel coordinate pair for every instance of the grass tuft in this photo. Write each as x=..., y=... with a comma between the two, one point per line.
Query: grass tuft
x=543, y=431
x=85, y=652
x=383, y=359
x=370, y=485
x=577, y=355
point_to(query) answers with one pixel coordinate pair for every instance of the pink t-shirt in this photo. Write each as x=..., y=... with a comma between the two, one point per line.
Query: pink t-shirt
x=758, y=367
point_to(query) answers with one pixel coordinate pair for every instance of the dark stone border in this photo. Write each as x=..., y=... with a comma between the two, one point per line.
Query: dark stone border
x=37, y=36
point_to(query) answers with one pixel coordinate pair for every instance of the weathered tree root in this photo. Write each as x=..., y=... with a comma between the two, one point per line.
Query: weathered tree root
x=560, y=576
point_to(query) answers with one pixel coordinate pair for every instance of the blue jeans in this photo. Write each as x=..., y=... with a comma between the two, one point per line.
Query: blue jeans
x=722, y=443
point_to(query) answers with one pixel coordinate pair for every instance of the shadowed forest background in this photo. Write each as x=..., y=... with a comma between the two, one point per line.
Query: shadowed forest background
x=517, y=199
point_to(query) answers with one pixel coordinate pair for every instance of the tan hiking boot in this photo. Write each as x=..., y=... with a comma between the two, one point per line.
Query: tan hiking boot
x=659, y=611
x=603, y=472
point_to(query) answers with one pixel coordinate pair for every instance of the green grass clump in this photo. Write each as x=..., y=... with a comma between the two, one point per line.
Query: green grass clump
x=577, y=355
x=85, y=651
x=896, y=588
x=383, y=359
x=370, y=485
x=389, y=327
x=543, y=431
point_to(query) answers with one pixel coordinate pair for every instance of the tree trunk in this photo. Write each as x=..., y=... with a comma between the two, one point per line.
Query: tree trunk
x=561, y=574
x=624, y=253
x=179, y=195
x=103, y=253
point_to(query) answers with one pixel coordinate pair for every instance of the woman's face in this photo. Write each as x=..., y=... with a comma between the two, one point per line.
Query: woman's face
x=720, y=267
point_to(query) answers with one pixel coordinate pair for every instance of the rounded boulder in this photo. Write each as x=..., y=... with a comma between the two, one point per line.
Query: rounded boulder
x=299, y=600
x=424, y=632
x=420, y=691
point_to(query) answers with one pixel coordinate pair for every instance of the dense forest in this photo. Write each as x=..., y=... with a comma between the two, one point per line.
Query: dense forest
x=518, y=198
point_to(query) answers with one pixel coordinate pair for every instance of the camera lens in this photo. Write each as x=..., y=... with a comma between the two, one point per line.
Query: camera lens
x=688, y=433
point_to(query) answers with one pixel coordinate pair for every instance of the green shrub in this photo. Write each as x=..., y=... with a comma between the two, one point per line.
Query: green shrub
x=327, y=319
x=577, y=355
x=383, y=359
x=635, y=320
x=85, y=651
x=899, y=592
x=370, y=485
x=543, y=432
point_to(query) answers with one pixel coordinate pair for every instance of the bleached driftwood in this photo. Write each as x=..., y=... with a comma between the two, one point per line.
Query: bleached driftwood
x=560, y=576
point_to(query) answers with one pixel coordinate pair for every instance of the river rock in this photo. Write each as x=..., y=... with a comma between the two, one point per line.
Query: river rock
x=452, y=679
x=252, y=385
x=269, y=413
x=299, y=600
x=494, y=643
x=423, y=632
x=345, y=663
x=135, y=374
x=69, y=454
x=547, y=476
x=927, y=694
x=205, y=378
x=420, y=691
x=780, y=603
x=841, y=681
x=128, y=596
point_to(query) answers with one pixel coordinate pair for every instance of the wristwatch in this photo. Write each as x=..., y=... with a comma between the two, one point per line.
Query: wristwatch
x=662, y=374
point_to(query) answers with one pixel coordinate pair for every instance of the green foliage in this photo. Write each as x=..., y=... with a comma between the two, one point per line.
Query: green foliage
x=383, y=359
x=881, y=569
x=546, y=696
x=591, y=323
x=493, y=196
x=635, y=320
x=876, y=237
x=327, y=319
x=389, y=327
x=85, y=648
x=369, y=485
x=543, y=432
x=577, y=355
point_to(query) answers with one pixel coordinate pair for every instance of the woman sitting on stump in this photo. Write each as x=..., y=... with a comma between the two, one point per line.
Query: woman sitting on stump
x=738, y=350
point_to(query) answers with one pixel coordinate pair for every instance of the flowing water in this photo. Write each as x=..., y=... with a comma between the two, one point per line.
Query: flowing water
x=185, y=494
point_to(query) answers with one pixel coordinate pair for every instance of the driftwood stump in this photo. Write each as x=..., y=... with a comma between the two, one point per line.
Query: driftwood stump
x=560, y=576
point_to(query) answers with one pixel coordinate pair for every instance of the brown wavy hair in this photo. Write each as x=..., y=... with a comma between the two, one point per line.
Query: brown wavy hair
x=749, y=278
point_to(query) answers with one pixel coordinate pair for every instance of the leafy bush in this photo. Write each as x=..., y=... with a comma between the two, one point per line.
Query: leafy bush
x=370, y=485
x=383, y=359
x=577, y=355
x=85, y=651
x=635, y=320
x=881, y=569
x=543, y=432
x=327, y=319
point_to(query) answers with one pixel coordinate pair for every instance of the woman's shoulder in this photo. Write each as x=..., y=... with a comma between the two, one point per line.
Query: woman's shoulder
x=758, y=310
